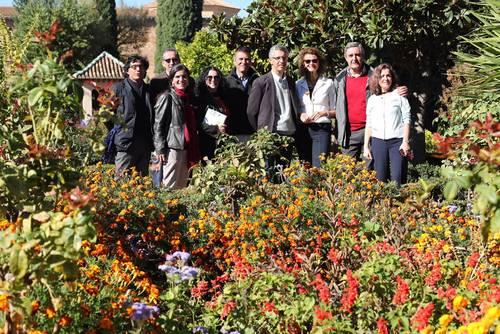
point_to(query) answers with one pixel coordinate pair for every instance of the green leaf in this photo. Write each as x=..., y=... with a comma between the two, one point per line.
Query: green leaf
x=34, y=95
x=450, y=190
x=488, y=191
x=18, y=262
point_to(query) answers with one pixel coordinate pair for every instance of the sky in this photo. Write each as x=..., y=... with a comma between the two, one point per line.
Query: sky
x=239, y=3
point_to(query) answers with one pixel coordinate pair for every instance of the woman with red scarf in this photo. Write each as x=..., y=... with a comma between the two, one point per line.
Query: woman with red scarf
x=209, y=94
x=175, y=133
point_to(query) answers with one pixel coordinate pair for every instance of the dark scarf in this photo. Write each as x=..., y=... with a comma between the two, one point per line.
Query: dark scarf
x=190, y=135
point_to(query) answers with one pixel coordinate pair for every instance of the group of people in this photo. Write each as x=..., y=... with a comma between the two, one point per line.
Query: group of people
x=179, y=120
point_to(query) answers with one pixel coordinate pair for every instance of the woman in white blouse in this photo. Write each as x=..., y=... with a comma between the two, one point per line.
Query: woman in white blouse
x=315, y=93
x=387, y=127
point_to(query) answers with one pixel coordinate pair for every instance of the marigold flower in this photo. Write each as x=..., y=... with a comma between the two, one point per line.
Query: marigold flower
x=445, y=319
x=459, y=302
x=50, y=312
x=106, y=323
x=65, y=321
x=4, y=302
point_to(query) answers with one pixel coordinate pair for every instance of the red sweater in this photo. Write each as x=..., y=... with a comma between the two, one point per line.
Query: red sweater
x=355, y=90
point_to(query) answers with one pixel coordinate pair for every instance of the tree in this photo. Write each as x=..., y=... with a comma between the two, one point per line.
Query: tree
x=416, y=37
x=133, y=23
x=203, y=51
x=177, y=20
x=107, y=9
x=82, y=32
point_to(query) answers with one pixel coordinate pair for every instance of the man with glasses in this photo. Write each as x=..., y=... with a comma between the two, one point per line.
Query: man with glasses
x=160, y=82
x=134, y=138
x=238, y=85
x=273, y=105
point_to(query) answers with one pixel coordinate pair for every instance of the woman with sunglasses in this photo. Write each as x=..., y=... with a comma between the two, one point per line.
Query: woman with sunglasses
x=387, y=127
x=209, y=93
x=175, y=129
x=315, y=92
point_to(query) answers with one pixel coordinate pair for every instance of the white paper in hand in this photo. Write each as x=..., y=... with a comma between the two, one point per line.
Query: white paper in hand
x=213, y=117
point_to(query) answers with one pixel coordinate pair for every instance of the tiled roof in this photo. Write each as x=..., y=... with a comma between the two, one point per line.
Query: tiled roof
x=219, y=3
x=104, y=67
x=7, y=11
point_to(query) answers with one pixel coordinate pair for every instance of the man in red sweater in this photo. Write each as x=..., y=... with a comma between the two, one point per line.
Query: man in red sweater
x=351, y=94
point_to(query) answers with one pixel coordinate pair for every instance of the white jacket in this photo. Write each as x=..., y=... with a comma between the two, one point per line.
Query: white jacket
x=386, y=115
x=322, y=97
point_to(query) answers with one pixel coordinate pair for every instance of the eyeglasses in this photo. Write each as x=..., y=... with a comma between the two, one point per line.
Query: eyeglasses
x=137, y=67
x=280, y=58
x=210, y=77
x=308, y=61
x=171, y=60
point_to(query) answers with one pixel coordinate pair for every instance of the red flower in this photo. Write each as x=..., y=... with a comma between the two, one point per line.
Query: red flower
x=321, y=314
x=228, y=308
x=402, y=292
x=350, y=293
x=334, y=256
x=473, y=259
x=322, y=288
x=382, y=326
x=200, y=289
x=269, y=307
x=422, y=316
x=434, y=276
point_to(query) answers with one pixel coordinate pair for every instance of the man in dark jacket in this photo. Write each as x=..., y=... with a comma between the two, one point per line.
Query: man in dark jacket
x=134, y=140
x=160, y=82
x=239, y=83
x=273, y=104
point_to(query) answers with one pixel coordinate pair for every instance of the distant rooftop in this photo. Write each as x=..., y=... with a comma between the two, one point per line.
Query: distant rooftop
x=103, y=67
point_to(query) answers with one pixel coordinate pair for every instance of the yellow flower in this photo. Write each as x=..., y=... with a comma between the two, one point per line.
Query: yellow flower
x=459, y=302
x=426, y=330
x=445, y=320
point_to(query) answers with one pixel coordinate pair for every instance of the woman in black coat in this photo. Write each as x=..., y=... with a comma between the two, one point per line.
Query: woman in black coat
x=213, y=113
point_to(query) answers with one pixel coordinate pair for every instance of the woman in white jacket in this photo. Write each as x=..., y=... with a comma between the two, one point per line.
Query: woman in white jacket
x=387, y=129
x=315, y=93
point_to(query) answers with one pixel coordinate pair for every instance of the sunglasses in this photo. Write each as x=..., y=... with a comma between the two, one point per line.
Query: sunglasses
x=171, y=60
x=210, y=77
x=308, y=61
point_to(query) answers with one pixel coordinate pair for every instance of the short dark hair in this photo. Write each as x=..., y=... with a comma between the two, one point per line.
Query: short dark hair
x=311, y=51
x=375, y=78
x=177, y=68
x=201, y=86
x=133, y=59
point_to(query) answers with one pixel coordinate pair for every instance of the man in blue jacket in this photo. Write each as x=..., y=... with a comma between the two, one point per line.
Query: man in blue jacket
x=134, y=140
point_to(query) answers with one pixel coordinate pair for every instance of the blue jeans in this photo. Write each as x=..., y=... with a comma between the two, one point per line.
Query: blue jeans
x=320, y=134
x=386, y=157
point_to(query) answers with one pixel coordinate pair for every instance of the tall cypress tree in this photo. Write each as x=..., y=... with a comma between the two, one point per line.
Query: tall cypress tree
x=107, y=10
x=176, y=20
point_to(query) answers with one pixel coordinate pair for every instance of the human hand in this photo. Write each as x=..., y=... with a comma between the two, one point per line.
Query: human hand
x=162, y=159
x=402, y=91
x=222, y=128
x=305, y=118
x=405, y=149
x=366, y=153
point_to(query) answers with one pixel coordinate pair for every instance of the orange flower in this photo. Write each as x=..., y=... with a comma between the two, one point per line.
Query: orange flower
x=50, y=312
x=4, y=303
x=106, y=323
x=35, y=305
x=65, y=321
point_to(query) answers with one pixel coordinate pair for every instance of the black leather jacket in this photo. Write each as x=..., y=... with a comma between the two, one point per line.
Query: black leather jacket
x=169, y=123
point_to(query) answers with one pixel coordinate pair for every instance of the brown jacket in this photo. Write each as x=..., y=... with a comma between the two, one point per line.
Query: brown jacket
x=262, y=105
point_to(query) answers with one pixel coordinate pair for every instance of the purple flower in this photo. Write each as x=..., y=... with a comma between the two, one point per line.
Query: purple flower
x=183, y=256
x=169, y=269
x=188, y=273
x=452, y=208
x=141, y=312
x=223, y=331
x=200, y=329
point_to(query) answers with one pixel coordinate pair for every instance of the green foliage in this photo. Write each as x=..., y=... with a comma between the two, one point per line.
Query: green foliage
x=84, y=32
x=107, y=10
x=411, y=35
x=176, y=20
x=476, y=94
x=237, y=168
x=205, y=50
